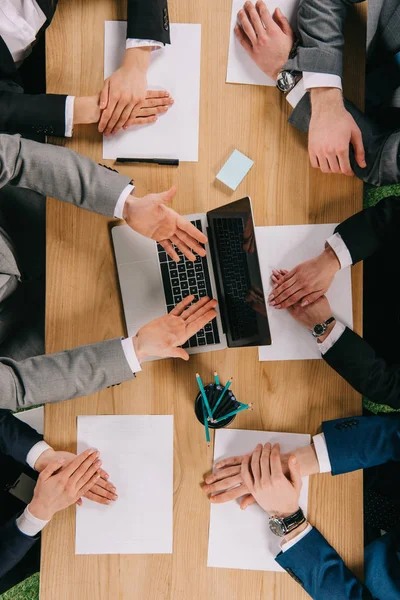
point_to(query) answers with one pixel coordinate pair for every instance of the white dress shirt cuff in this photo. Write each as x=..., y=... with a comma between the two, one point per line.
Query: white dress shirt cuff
x=30, y=525
x=340, y=249
x=296, y=94
x=318, y=80
x=69, y=115
x=35, y=452
x=321, y=450
x=332, y=338
x=130, y=355
x=119, y=207
x=286, y=545
x=133, y=43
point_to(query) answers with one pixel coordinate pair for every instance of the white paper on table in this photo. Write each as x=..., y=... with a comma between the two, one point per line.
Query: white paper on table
x=137, y=452
x=241, y=69
x=33, y=417
x=283, y=248
x=242, y=539
x=174, y=68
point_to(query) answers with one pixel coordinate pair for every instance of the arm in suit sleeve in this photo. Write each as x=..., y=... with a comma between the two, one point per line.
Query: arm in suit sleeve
x=13, y=546
x=16, y=437
x=62, y=376
x=60, y=173
x=148, y=20
x=321, y=31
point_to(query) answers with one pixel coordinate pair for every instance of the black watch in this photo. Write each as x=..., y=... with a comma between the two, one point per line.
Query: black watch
x=320, y=328
x=282, y=527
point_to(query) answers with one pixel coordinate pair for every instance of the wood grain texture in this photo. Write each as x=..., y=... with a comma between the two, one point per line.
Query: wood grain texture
x=83, y=306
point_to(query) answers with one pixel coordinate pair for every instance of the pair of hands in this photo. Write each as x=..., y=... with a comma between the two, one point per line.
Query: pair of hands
x=268, y=40
x=124, y=100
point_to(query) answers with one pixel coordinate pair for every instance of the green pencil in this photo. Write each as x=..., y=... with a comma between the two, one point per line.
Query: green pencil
x=233, y=412
x=216, y=378
x=203, y=393
x=221, y=396
x=206, y=424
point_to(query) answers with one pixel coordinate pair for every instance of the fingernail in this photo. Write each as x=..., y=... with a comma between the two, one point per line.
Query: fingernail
x=91, y=450
x=294, y=460
x=108, y=501
x=61, y=460
x=278, y=306
x=304, y=303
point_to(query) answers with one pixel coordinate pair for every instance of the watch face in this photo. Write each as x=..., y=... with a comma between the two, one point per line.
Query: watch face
x=319, y=329
x=285, y=81
x=276, y=526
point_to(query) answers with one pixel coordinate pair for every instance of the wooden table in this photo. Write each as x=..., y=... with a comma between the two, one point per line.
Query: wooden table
x=83, y=306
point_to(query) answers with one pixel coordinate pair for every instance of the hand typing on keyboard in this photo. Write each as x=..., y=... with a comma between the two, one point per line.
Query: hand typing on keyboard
x=150, y=217
x=162, y=337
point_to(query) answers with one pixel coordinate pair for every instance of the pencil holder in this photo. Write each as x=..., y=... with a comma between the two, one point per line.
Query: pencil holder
x=213, y=393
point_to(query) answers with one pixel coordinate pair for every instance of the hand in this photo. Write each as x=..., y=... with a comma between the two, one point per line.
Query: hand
x=317, y=312
x=124, y=92
x=276, y=494
x=103, y=492
x=305, y=283
x=332, y=129
x=150, y=217
x=267, y=40
x=163, y=336
x=58, y=488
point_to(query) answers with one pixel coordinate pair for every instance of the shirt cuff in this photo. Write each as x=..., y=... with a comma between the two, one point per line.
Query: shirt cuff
x=119, y=207
x=69, y=115
x=296, y=94
x=332, y=338
x=130, y=355
x=35, y=452
x=30, y=525
x=286, y=545
x=134, y=43
x=321, y=450
x=340, y=249
x=317, y=80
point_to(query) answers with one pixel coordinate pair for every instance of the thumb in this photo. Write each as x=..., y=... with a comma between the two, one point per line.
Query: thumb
x=247, y=501
x=282, y=22
x=310, y=298
x=294, y=470
x=51, y=468
x=104, y=95
x=179, y=353
x=167, y=196
x=357, y=143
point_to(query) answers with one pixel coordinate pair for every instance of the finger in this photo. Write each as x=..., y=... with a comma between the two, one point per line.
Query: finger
x=295, y=476
x=135, y=121
x=167, y=196
x=51, y=468
x=286, y=282
x=333, y=162
x=184, y=248
x=265, y=15
x=79, y=502
x=92, y=481
x=193, y=232
x=229, y=495
x=200, y=322
x=96, y=498
x=117, y=112
x=99, y=490
x=323, y=164
x=201, y=308
x=344, y=163
x=153, y=102
x=78, y=461
x=247, y=501
x=255, y=19
x=194, y=308
x=221, y=475
x=122, y=121
x=190, y=242
x=244, y=40
x=265, y=464
x=223, y=485
x=246, y=475
x=310, y=298
x=170, y=250
x=313, y=160
x=292, y=300
x=255, y=464
x=104, y=95
x=181, y=306
x=178, y=353
x=357, y=143
x=232, y=460
x=247, y=27
x=275, y=462
x=148, y=112
x=107, y=113
x=150, y=94
x=282, y=21
x=85, y=475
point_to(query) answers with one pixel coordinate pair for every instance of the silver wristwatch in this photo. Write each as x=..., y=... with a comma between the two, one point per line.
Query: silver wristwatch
x=282, y=527
x=287, y=80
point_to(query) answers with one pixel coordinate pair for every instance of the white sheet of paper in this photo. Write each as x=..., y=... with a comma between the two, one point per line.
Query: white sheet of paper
x=33, y=417
x=241, y=69
x=137, y=452
x=175, y=68
x=283, y=248
x=241, y=539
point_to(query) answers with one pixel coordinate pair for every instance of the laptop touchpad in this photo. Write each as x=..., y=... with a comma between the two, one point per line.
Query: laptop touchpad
x=142, y=293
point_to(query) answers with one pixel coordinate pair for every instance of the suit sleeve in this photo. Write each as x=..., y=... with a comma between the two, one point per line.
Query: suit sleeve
x=356, y=361
x=16, y=437
x=321, y=31
x=318, y=568
x=32, y=113
x=60, y=173
x=13, y=546
x=148, y=20
x=362, y=442
x=62, y=376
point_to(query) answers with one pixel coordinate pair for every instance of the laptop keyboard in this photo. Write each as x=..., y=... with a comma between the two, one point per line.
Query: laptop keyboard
x=185, y=278
x=229, y=234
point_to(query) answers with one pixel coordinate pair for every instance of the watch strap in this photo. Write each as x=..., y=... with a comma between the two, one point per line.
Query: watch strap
x=293, y=521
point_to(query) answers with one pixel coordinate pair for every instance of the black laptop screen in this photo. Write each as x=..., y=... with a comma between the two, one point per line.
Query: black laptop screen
x=237, y=274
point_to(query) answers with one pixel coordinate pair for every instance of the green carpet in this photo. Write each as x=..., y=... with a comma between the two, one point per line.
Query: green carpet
x=26, y=590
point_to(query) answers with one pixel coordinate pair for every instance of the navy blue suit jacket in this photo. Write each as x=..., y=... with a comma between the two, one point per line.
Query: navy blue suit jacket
x=16, y=439
x=355, y=443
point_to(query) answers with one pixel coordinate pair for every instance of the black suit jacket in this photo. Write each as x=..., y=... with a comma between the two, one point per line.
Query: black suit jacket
x=369, y=234
x=45, y=113
x=16, y=439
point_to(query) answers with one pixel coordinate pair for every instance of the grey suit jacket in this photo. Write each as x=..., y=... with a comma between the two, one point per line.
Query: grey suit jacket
x=63, y=174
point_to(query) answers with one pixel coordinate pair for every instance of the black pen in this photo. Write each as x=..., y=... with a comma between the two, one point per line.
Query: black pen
x=173, y=162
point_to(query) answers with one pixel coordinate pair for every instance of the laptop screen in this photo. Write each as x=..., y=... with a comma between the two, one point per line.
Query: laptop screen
x=237, y=273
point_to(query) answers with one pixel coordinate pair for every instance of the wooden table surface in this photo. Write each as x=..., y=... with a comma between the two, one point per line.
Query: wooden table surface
x=83, y=306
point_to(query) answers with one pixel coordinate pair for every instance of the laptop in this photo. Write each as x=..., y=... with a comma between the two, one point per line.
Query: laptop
x=152, y=284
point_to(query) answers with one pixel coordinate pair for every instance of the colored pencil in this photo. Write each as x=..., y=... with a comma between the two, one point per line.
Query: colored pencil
x=222, y=395
x=199, y=381
x=232, y=413
x=216, y=378
x=206, y=424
